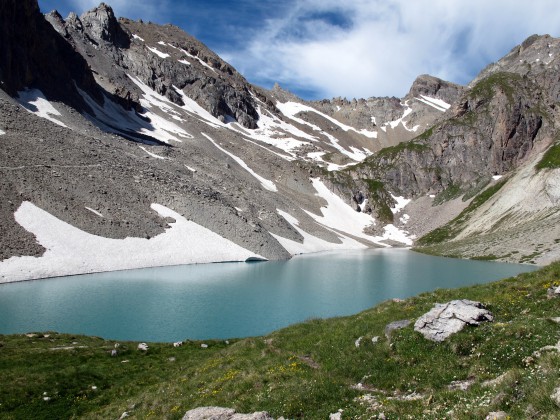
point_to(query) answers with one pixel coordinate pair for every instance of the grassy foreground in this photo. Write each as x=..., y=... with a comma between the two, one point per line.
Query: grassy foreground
x=307, y=370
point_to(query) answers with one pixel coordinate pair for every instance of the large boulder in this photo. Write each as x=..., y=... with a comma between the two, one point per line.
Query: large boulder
x=220, y=413
x=448, y=318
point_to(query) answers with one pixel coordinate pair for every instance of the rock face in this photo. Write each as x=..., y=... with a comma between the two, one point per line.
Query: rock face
x=163, y=57
x=218, y=413
x=32, y=54
x=448, y=318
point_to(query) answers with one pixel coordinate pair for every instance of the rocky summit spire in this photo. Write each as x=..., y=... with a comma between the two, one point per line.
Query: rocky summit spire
x=101, y=24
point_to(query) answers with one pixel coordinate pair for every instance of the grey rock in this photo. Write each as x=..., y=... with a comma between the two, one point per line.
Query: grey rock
x=496, y=415
x=335, y=416
x=219, y=413
x=396, y=325
x=448, y=318
x=555, y=396
x=553, y=292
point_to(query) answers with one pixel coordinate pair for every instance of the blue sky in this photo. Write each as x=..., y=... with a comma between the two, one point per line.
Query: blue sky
x=360, y=48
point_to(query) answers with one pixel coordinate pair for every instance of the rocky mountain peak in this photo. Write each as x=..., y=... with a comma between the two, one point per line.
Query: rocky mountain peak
x=536, y=55
x=427, y=85
x=101, y=24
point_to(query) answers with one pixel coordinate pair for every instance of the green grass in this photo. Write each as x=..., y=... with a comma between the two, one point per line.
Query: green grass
x=452, y=229
x=450, y=193
x=487, y=87
x=379, y=196
x=412, y=146
x=306, y=370
x=551, y=158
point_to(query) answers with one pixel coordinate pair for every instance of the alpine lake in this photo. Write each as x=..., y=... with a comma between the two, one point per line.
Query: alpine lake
x=226, y=300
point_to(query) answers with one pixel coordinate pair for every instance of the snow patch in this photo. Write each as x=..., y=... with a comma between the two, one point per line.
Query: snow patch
x=434, y=103
x=363, y=205
x=151, y=154
x=395, y=123
x=137, y=37
x=497, y=177
x=192, y=56
x=94, y=211
x=35, y=102
x=312, y=243
x=158, y=52
x=401, y=203
x=70, y=250
x=190, y=169
x=116, y=119
x=290, y=109
x=266, y=184
x=2, y=132
x=395, y=234
x=185, y=62
x=194, y=108
x=340, y=216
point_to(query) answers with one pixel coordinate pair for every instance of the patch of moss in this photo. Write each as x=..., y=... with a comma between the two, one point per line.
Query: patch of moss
x=452, y=229
x=486, y=88
x=480, y=185
x=378, y=196
x=551, y=159
x=412, y=145
x=451, y=192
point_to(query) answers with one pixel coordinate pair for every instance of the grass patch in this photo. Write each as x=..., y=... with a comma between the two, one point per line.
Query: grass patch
x=451, y=192
x=487, y=87
x=411, y=146
x=452, y=229
x=551, y=158
x=379, y=197
x=307, y=370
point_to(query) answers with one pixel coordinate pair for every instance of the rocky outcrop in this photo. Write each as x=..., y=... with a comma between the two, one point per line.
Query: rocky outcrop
x=434, y=87
x=219, y=413
x=494, y=128
x=33, y=54
x=164, y=58
x=445, y=319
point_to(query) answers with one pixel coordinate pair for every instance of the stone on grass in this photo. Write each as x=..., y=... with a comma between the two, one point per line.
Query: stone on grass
x=143, y=347
x=396, y=325
x=220, y=413
x=496, y=415
x=358, y=341
x=555, y=396
x=448, y=318
x=553, y=292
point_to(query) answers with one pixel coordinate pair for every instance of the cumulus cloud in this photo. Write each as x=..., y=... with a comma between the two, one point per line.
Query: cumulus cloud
x=377, y=47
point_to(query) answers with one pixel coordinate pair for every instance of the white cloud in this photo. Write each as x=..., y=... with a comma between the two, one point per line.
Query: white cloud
x=380, y=46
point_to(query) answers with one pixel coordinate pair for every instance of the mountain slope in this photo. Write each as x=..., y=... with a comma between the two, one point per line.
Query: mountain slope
x=137, y=130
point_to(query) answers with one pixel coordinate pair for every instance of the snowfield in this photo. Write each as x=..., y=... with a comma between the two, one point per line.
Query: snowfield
x=70, y=250
x=312, y=243
x=35, y=102
x=266, y=184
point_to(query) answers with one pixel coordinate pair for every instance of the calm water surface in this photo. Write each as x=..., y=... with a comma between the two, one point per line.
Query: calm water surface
x=231, y=299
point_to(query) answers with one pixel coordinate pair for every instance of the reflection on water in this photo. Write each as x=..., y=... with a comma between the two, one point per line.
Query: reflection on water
x=231, y=299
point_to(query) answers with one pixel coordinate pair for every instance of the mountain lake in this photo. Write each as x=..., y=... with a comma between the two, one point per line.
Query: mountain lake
x=226, y=300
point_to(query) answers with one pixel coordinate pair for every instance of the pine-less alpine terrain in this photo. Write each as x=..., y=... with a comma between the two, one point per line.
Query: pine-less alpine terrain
x=129, y=144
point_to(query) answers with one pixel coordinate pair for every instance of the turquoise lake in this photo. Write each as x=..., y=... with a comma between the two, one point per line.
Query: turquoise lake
x=231, y=299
